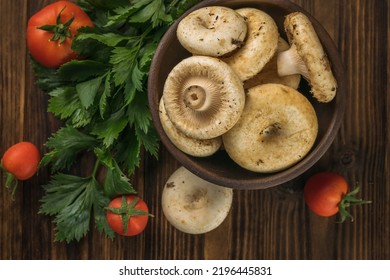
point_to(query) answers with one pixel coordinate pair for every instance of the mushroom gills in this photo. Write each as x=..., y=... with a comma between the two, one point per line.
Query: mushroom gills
x=188, y=145
x=203, y=97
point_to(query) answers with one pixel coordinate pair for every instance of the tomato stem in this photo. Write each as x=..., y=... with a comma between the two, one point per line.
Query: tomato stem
x=127, y=210
x=11, y=183
x=349, y=200
x=61, y=30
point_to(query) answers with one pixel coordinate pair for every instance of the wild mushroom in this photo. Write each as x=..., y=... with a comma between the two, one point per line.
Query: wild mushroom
x=213, y=31
x=276, y=130
x=191, y=146
x=260, y=45
x=269, y=73
x=203, y=97
x=193, y=205
x=307, y=57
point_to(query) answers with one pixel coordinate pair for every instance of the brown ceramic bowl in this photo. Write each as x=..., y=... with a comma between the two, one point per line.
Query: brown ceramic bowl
x=219, y=168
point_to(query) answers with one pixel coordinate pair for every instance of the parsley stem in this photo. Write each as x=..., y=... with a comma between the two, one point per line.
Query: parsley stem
x=171, y=5
x=95, y=168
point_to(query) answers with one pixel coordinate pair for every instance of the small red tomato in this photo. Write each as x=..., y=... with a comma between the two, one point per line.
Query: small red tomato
x=326, y=194
x=50, y=33
x=21, y=160
x=127, y=215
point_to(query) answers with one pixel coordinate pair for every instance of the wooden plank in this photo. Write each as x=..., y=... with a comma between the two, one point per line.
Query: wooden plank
x=266, y=224
x=12, y=110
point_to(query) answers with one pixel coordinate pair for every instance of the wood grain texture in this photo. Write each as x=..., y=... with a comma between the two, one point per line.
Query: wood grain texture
x=265, y=224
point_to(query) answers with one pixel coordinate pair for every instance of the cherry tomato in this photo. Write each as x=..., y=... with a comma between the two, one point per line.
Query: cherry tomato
x=326, y=194
x=21, y=160
x=50, y=33
x=127, y=215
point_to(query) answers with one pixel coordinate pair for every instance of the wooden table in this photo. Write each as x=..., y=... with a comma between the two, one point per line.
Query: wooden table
x=263, y=224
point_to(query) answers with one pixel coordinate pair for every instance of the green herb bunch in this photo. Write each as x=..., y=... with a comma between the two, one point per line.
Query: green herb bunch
x=102, y=104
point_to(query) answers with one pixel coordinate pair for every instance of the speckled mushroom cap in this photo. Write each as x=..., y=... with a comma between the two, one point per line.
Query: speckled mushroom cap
x=269, y=73
x=276, y=130
x=305, y=41
x=194, y=205
x=260, y=45
x=213, y=31
x=203, y=97
x=190, y=146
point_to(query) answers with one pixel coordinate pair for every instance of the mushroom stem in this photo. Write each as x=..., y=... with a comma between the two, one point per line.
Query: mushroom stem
x=289, y=62
x=195, y=97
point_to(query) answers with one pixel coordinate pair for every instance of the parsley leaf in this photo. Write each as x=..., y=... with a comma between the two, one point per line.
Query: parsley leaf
x=63, y=102
x=128, y=150
x=102, y=103
x=154, y=11
x=81, y=70
x=107, y=4
x=87, y=91
x=117, y=183
x=71, y=199
x=65, y=146
x=109, y=130
x=178, y=7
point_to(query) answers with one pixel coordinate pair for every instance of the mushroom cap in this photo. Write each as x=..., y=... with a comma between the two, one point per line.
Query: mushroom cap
x=276, y=130
x=260, y=45
x=203, y=97
x=191, y=146
x=269, y=73
x=301, y=33
x=194, y=205
x=213, y=31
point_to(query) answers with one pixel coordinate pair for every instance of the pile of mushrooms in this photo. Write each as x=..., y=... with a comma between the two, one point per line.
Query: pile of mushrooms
x=239, y=91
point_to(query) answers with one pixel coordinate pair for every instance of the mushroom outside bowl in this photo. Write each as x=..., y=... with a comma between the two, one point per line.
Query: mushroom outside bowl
x=219, y=168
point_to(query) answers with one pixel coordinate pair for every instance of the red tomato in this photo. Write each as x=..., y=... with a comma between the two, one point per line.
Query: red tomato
x=21, y=160
x=127, y=212
x=323, y=193
x=326, y=194
x=50, y=33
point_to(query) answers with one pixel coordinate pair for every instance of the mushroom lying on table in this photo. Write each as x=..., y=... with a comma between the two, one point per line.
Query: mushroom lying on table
x=307, y=57
x=213, y=31
x=259, y=47
x=188, y=145
x=277, y=128
x=194, y=205
x=203, y=97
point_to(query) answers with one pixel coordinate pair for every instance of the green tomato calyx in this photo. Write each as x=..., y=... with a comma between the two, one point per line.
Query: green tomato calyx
x=127, y=210
x=349, y=200
x=61, y=30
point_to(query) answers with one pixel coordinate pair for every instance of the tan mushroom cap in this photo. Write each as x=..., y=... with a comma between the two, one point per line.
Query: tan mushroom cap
x=276, y=130
x=269, y=74
x=190, y=146
x=305, y=42
x=213, y=31
x=203, y=97
x=194, y=205
x=260, y=45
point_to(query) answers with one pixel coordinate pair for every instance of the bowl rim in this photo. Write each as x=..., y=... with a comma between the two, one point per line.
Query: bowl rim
x=272, y=179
